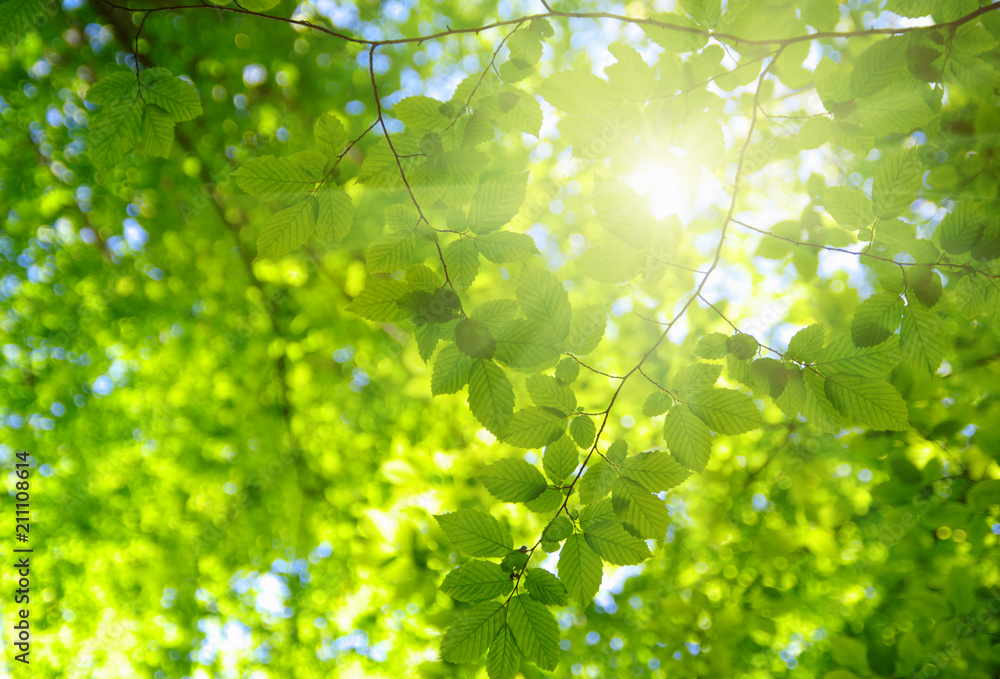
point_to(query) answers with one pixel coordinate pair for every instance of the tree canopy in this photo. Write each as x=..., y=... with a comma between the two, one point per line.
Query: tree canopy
x=506, y=339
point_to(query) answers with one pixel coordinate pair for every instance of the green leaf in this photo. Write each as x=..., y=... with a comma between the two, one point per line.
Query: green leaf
x=474, y=339
x=630, y=76
x=688, y=438
x=115, y=132
x=580, y=569
x=656, y=470
x=549, y=501
x=567, y=371
x=806, y=344
x=427, y=340
x=978, y=295
x=336, y=213
x=527, y=345
x=402, y=217
x=548, y=392
x=817, y=408
x=504, y=247
x=737, y=371
x=496, y=313
x=525, y=47
x=17, y=18
x=478, y=129
x=451, y=371
x=617, y=451
x=814, y=133
x=849, y=207
x=176, y=96
x=695, y=378
x=543, y=299
x=742, y=346
x=656, y=403
x=913, y=8
x=420, y=112
x=596, y=482
x=983, y=495
x=898, y=109
x=476, y=581
x=109, y=89
x=390, y=253
x=469, y=637
x=855, y=139
x=927, y=288
x=878, y=66
x=705, y=12
x=850, y=653
x=475, y=89
x=522, y=112
x=596, y=512
x=535, y=630
x=331, y=137
x=534, y=427
x=962, y=228
x=726, y=411
x=922, y=339
x=642, y=514
x=380, y=169
x=769, y=376
x=561, y=458
x=545, y=587
x=462, y=260
x=491, y=396
x=583, y=430
x=275, y=180
x=313, y=162
x=497, y=201
x=675, y=39
x=897, y=182
x=844, y=356
x=504, y=657
x=792, y=398
x=578, y=91
x=615, y=545
x=378, y=302
x=833, y=84
x=286, y=230
x=876, y=319
x=475, y=533
x=513, y=480
x=872, y=402
x=612, y=262
x=961, y=589
x=712, y=346
x=157, y=132
x=515, y=561
x=558, y=530
x=988, y=247
x=422, y=278
x=586, y=330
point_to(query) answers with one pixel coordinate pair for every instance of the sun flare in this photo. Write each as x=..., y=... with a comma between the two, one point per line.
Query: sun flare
x=670, y=186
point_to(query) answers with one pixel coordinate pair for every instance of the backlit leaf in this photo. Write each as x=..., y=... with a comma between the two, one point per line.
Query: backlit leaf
x=512, y=480
x=469, y=637
x=475, y=533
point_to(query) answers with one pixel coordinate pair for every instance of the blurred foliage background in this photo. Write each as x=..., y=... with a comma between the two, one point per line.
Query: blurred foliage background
x=236, y=478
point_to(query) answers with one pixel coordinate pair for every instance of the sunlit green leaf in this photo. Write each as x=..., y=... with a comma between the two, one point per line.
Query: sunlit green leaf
x=469, y=637
x=475, y=533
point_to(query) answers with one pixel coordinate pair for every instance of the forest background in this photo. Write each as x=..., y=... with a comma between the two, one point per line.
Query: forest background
x=441, y=339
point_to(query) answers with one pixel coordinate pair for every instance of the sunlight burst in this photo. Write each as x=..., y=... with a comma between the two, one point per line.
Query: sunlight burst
x=670, y=186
